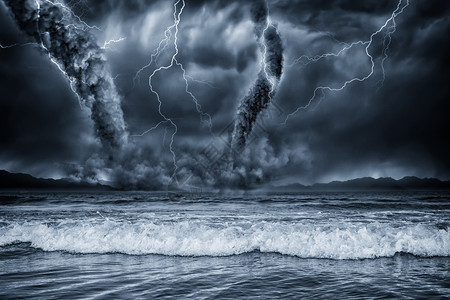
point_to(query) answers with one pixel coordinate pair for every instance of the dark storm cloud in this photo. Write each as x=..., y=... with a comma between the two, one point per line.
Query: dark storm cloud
x=264, y=88
x=273, y=52
x=249, y=109
x=396, y=130
x=82, y=60
x=36, y=129
x=259, y=11
x=41, y=125
x=128, y=9
x=96, y=10
x=207, y=57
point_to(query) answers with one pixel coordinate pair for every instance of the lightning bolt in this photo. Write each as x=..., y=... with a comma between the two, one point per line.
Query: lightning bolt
x=81, y=26
x=18, y=45
x=72, y=81
x=149, y=130
x=201, y=81
x=306, y=60
x=389, y=27
x=165, y=41
x=56, y=3
x=387, y=43
x=68, y=10
x=170, y=33
x=106, y=44
x=269, y=78
x=273, y=81
x=84, y=27
x=162, y=46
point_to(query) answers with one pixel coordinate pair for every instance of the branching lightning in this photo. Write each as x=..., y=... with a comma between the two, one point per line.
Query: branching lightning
x=306, y=60
x=389, y=27
x=42, y=45
x=85, y=26
x=162, y=46
x=80, y=26
x=167, y=34
x=50, y=56
x=171, y=33
x=72, y=48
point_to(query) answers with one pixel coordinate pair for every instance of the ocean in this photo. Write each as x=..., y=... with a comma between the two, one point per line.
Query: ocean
x=148, y=245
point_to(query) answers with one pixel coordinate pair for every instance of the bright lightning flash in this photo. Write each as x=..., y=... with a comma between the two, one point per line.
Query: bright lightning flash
x=108, y=43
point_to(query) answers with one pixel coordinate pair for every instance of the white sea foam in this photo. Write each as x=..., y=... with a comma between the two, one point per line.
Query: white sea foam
x=190, y=238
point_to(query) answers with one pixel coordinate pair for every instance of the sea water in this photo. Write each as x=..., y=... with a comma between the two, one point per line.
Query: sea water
x=132, y=245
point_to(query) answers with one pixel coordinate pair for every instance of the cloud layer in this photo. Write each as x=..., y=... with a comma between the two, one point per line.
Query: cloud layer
x=368, y=129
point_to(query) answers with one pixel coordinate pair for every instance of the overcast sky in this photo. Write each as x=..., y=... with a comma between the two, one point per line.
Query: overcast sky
x=396, y=127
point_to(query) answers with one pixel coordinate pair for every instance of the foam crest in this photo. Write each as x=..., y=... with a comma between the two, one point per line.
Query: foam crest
x=190, y=238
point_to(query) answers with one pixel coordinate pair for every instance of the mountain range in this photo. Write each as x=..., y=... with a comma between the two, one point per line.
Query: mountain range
x=19, y=181
x=369, y=183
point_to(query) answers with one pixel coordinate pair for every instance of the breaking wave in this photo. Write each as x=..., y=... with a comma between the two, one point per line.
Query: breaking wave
x=193, y=238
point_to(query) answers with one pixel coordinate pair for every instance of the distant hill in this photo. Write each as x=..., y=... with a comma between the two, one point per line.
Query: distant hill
x=369, y=183
x=18, y=181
